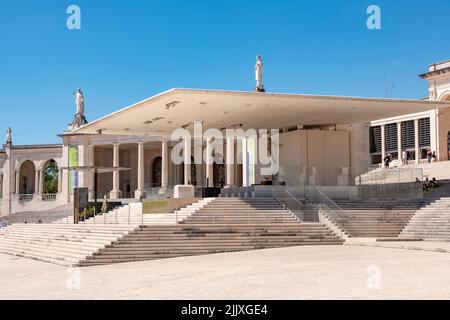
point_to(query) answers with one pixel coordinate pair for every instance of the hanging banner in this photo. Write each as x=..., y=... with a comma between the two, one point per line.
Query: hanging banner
x=73, y=162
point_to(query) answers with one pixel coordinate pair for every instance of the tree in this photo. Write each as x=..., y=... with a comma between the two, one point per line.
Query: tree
x=51, y=178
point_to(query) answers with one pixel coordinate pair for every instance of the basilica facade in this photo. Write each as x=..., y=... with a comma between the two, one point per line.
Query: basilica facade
x=323, y=140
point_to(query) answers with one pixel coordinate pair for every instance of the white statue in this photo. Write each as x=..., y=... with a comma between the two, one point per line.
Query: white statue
x=79, y=101
x=8, y=136
x=259, y=74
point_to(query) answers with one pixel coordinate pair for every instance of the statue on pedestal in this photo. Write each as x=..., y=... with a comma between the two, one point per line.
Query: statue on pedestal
x=259, y=74
x=79, y=118
x=8, y=136
x=79, y=101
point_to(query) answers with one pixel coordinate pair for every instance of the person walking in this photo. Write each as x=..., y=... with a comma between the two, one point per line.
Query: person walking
x=404, y=157
x=386, y=161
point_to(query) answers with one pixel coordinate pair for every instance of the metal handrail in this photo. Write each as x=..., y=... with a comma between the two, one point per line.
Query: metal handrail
x=292, y=196
x=337, y=211
x=285, y=189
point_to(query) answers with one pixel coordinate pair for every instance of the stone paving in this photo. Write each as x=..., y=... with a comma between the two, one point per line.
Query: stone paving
x=315, y=272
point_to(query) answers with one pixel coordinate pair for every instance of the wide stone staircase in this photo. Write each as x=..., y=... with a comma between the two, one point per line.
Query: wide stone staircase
x=223, y=225
x=57, y=243
x=431, y=222
x=47, y=216
x=131, y=213
x=376, y=218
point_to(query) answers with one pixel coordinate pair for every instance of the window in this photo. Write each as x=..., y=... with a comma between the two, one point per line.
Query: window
x=408, y=135
x=375, y=139
x=424, y=132
x=391, y=140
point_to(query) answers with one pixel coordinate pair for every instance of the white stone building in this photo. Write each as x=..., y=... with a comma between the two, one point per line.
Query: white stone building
x=417, y=133
x=323, y=140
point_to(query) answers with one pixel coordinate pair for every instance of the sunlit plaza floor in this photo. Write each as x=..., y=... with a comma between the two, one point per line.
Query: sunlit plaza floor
x=315, y=272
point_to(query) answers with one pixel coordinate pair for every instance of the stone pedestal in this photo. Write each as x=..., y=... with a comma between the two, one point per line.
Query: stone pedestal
x=114, y=195
x=184, y=191
x=139, y=194
x=78, y=120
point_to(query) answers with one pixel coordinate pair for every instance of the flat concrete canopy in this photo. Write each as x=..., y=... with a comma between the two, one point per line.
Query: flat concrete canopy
x=176, y=108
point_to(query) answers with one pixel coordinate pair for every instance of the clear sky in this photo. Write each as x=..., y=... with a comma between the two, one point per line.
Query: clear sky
x=127, y=51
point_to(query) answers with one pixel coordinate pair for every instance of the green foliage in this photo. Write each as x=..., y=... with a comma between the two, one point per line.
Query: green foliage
x=51, y=178
x=87, y=213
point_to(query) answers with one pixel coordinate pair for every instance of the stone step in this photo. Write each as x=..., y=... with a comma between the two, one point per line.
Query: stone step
x=50, y=252
x=64, y=245
x=43, y=258
x=188, y=241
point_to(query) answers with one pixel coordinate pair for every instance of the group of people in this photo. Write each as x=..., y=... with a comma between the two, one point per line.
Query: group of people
x=431, y=157
x=428, y=185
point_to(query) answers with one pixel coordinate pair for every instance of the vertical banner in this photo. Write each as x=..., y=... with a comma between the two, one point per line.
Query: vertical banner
x=73, y=162
x=251, y=161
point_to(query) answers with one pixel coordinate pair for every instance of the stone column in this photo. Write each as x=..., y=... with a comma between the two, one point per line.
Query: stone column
x=41, y=181
x=383, y=142
x=36, y=182
x=18, y=182
x=164, y=164
x=116, y=193
x=245, y=182
x=7, y=181
x=1, y=186
x=141, y=173
x=65, y=174
x=442, y=155
x=209, y=163
x=399, y=140
x=230, y=162
x=59, y=181
x=91, y=149
x=416, y=140
x=187, y=162
x=82, y=161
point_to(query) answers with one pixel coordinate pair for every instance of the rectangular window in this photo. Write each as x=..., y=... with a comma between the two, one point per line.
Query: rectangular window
x=391, y=140
x=408, y=136
x=424, y=133
x=375, y=139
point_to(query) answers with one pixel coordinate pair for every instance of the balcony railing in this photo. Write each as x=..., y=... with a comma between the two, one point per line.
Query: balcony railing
x=26, y=197
x=49, y=197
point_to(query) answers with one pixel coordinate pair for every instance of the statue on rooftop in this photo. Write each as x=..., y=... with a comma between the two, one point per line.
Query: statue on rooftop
x=8, y=136
x=259, y=74
x=79, y=118
x=79, y=101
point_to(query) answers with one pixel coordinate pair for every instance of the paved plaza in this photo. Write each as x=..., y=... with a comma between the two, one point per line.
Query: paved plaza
x=310, y=272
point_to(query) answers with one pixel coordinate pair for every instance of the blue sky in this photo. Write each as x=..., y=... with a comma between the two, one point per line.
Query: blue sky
x=127, y=51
